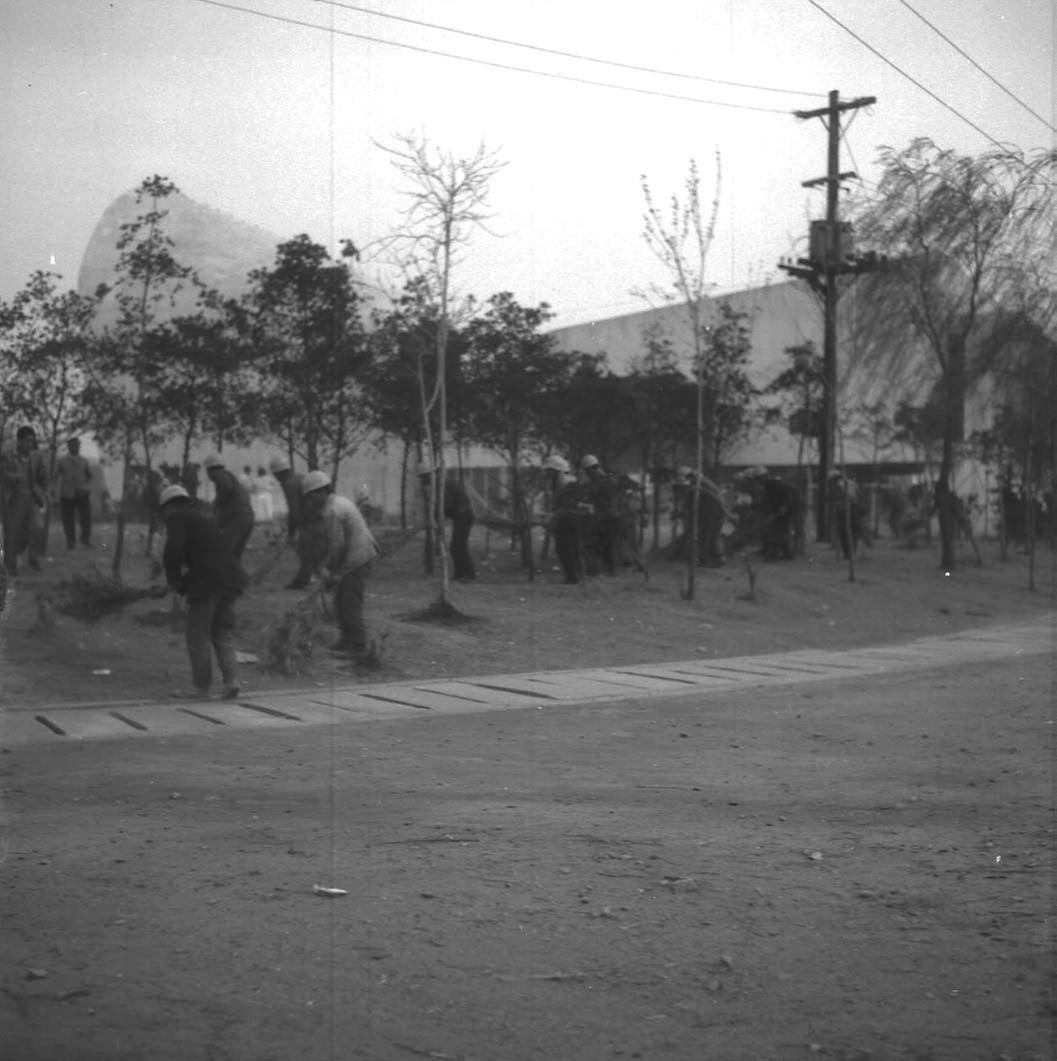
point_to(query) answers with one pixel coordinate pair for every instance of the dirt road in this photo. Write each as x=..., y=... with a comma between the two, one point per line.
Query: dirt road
x=833, y=870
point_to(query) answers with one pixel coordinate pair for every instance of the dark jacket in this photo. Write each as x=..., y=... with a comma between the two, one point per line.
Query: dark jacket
x=232, y=501
x=457, y=504
x=197, y=562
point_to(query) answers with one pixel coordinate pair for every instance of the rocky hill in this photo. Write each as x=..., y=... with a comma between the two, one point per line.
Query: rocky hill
x=221, y=249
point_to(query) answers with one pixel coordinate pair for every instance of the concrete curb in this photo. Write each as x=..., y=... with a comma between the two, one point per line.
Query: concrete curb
x=60, y=723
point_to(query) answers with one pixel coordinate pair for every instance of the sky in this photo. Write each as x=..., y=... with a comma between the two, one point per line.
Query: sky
x=277, y=112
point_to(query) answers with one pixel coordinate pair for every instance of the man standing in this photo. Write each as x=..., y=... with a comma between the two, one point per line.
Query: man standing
x=459, y=509
x=75, y=494
x=608, y=529
x=570, y=508
x=348, y=549
x=23, y=497
x=306, y=543
x=231, y=505
x=199, y=565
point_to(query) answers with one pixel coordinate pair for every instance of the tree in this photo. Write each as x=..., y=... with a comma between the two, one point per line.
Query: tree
x=306, y=324
x=48, y=339
x=681, y=243
x=800, y=389
x=121, y=395
x=203, y=380
x=728, y=392
x=447, y=198
x=515, y=373
x=953, y=227
x=665, y=404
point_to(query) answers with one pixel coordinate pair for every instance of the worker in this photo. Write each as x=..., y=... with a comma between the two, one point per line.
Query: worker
x=459, y=509
x=23, y=499
x=348, y=547
x=231, y=506
x=608, y=524
x=306, y=543
x=572, y=513
x=200, y=566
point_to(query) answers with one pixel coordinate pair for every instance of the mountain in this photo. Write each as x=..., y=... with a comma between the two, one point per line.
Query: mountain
x=221, y=249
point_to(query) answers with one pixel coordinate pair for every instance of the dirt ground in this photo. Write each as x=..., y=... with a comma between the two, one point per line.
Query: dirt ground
x=840, y=870
x=516, y=624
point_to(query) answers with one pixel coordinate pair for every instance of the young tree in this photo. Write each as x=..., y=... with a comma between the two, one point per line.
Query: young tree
x=800, y=389
x=311, y=351
x=48, y=340
x=203, y=381
x=447, y=199
x=681, y=243
x=664, y=418
x=121, y=396
x=728, y=392
x=953, y=227
x=515, y=373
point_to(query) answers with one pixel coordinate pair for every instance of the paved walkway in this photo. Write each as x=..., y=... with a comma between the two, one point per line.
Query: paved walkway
x=539, y=689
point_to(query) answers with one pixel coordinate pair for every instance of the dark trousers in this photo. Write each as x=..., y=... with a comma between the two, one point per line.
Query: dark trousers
x=77, y=512
x=569, y=548
x=349, y=596
x=461, y=560
x=236, y=531
x=22, y=531
x=210, y=626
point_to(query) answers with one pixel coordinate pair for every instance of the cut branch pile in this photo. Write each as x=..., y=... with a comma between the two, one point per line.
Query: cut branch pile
x=292, y=642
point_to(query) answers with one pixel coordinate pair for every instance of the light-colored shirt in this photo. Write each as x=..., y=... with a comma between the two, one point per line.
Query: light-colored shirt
x=74, y=475
x=349, y=542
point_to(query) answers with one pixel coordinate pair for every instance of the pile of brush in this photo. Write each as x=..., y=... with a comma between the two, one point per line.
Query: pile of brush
x=292, y=642
x=92, y=595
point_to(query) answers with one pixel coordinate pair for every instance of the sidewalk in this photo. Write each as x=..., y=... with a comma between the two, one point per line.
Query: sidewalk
x=365, y=703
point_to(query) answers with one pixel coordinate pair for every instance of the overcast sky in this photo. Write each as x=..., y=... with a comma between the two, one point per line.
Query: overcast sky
x=276, y=123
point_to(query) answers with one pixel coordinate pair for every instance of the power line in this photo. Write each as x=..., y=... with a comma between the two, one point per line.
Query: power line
x=565, y=55
x=913, y=80
x=486, y=62
x=967, y=56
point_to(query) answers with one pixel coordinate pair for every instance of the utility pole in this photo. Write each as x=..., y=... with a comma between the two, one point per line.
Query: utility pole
x=830, y=256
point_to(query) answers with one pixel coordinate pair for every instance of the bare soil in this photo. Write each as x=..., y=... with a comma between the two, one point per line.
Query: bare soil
x=845, y=870
x=515, y=623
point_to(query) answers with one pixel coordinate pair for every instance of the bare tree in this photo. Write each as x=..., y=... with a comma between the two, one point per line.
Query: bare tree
x=681, y=240
x=447, y=198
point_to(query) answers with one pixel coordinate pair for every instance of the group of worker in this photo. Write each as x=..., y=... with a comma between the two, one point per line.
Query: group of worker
x=203, y=551
x=25, y=490
x=593, y=518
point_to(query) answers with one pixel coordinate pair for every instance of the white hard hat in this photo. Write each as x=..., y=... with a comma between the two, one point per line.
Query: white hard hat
x=590, y=461
x=278, y=464
x=170, y=493
x=555, y=463
x=314, y=481
x=213, y=460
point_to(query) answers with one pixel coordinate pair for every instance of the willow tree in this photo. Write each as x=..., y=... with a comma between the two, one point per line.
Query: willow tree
x=955, y=229
x=447, y=198
x=681, y=238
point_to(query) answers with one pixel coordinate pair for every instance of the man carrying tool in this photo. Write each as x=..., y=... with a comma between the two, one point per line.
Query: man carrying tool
x=200, y=566
x=348, y=547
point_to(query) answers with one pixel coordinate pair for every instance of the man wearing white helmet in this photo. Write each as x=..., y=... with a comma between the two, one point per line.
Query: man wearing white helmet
x=231, y=506
x=200, y=566
x=307, y=548
x=570, y=510
x=348, y=547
